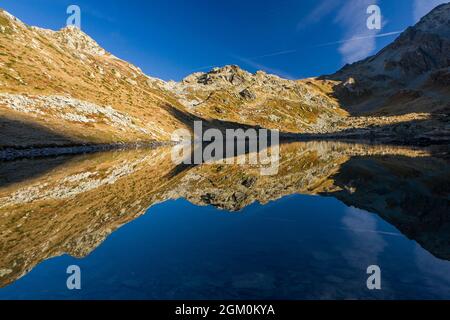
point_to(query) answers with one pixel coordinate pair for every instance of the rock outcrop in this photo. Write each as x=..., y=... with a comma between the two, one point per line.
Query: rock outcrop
x=234, y=95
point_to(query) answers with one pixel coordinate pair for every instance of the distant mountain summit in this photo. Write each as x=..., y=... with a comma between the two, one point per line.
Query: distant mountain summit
x=415, y=67
x=234, y=95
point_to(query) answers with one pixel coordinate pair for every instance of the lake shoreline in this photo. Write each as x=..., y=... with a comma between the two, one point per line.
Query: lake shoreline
x=10, y=153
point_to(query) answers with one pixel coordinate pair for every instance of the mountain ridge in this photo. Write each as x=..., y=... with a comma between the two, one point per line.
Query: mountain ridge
x=412, y=63
x=100, y=98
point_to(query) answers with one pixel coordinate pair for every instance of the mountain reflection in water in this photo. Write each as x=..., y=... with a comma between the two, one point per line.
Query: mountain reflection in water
x=283, y=243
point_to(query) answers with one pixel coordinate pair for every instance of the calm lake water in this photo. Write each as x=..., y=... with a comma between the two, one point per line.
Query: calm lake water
x=140, y=228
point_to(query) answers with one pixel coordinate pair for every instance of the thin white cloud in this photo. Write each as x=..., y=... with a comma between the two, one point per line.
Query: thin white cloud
x=365, y=248
x=258, y=66
x=249, y=62
x=358, y=41
x=325, y=44
x=352, y=17
x=277, y=53
x=323, y=9
x=422, y=7
x=434, y=272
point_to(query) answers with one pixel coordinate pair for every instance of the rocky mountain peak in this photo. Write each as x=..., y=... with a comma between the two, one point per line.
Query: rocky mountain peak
x=76, y=39
x=8, y=23
x=437, y=21
x=227, y=75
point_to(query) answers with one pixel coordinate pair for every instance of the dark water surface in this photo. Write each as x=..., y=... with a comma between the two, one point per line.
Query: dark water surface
x=139, y=229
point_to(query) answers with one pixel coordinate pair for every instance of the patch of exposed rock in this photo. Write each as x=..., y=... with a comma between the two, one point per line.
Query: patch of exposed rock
x=70, y=109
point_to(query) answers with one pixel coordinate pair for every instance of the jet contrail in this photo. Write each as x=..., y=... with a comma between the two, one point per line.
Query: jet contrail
x=381, y=35
x=279, y=53
x=202, y=68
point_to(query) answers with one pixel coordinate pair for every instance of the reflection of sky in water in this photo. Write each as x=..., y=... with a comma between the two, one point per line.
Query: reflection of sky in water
x=297, y=247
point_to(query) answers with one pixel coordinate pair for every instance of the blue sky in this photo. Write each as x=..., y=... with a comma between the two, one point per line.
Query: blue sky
x=172, y=38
